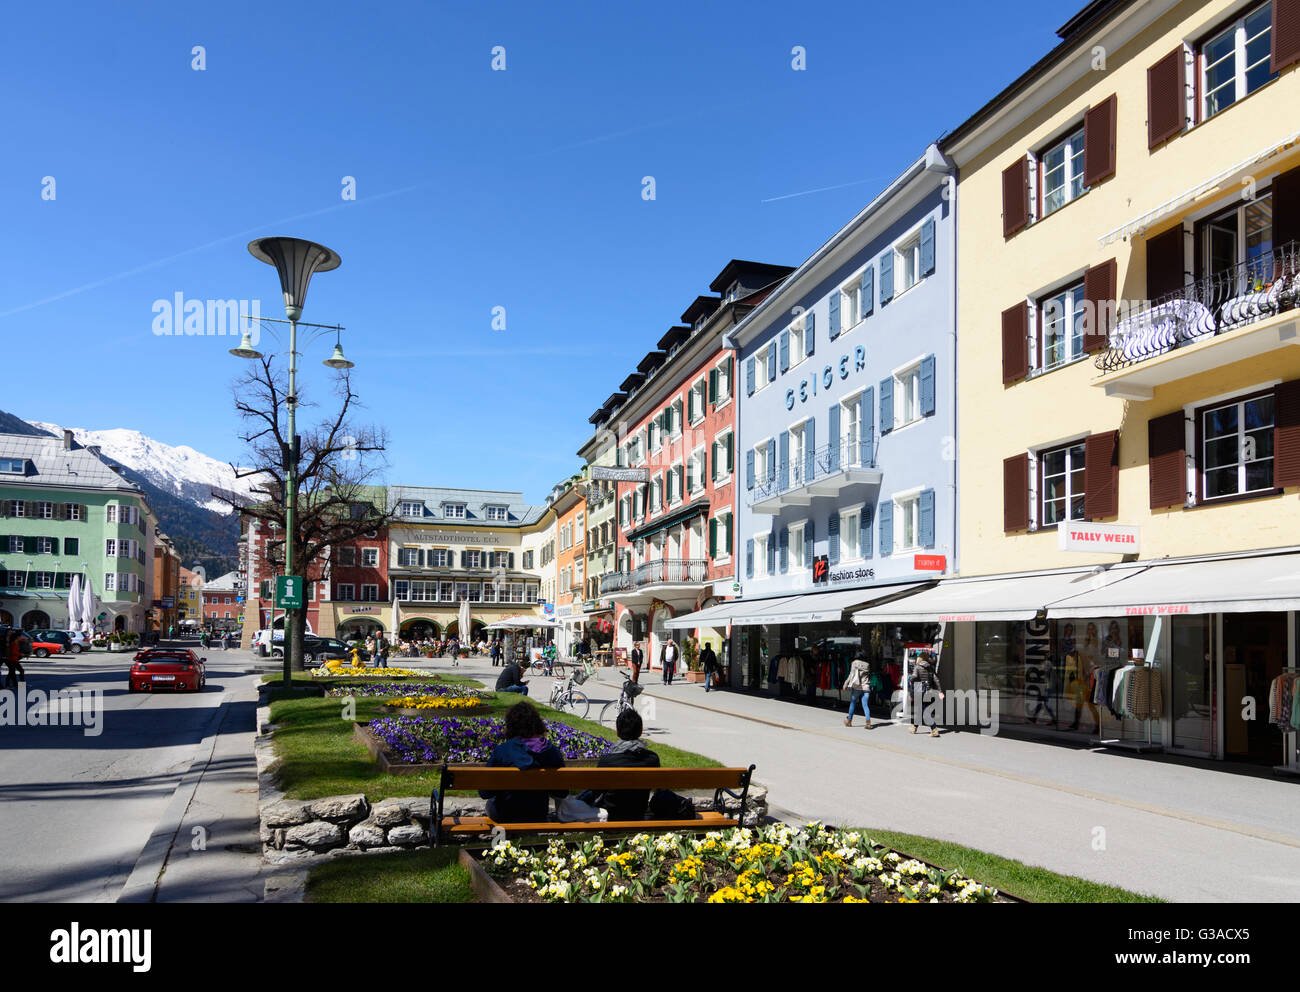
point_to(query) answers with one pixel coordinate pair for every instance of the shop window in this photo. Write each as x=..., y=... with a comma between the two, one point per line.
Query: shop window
x=1236, y=447
x=1061, y=474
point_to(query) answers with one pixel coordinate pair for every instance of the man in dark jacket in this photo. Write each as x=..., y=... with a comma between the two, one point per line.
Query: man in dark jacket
x=629, y=752
x=636, y=660
x=710, y=662
x=525, y=747
x=924, y=681
x=511, y=678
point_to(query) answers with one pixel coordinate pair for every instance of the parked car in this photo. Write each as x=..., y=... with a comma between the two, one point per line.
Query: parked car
x=316, y=649
x=179, y=670
x=60, y=637
x=80, y=640
x=43, y=647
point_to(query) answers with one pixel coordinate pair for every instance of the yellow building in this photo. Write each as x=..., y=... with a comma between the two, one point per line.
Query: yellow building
x=1128, y=220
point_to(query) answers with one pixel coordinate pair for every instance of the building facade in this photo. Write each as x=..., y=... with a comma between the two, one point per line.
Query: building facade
x=568, y=501
x=223, y=607
x=166, y=584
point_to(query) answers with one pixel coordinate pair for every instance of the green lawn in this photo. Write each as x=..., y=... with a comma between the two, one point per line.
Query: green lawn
x=320, y=758
x=408, y=876
x=1016, y=878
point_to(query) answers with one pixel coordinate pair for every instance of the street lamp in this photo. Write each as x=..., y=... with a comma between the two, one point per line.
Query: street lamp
x=295, y=261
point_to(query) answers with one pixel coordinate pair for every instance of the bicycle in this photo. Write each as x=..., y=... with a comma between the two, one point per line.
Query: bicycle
x=610, y=711
x=568, y=699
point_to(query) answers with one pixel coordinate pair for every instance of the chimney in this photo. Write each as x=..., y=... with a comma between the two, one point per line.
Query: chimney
x=67, y=440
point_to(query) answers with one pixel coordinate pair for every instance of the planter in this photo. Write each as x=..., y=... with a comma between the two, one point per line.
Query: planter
x=693, y=676
x=481, y=882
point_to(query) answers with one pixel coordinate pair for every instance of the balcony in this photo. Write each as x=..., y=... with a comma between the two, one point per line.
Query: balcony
x=1236, y=313
x=662, y=571
x=831, y=469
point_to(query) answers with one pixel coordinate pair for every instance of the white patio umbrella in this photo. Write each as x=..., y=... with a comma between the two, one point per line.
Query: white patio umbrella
x=462, y=628
x=74, y=602
x=89, y=605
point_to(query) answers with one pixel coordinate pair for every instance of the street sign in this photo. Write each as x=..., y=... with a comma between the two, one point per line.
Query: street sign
x=288, y=592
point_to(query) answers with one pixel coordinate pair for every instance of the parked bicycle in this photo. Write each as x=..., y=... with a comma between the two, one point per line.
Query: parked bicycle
x=566, y=697
x=626, y=701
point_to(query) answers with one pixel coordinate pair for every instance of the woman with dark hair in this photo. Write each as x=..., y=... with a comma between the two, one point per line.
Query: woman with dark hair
x=525, y=747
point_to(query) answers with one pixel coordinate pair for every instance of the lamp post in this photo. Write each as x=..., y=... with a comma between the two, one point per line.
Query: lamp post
x=295, y=261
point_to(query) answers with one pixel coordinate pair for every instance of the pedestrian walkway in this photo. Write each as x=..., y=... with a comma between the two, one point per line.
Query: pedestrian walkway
x=1112, y=817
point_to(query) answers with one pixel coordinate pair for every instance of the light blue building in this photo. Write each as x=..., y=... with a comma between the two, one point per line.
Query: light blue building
x=846, y=439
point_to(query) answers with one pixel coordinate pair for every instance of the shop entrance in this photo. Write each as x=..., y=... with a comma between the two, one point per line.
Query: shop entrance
x=1254, y=654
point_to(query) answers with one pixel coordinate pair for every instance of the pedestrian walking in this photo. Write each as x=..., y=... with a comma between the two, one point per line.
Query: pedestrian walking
x=495, y=653
x=668, y=660
x=381, y=648
x=923, y=679
x=710, y=662
x=15, y=649
x=636, y=659
x=858, y=683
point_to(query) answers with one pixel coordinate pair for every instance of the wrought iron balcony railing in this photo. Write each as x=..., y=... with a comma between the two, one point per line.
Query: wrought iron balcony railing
x=1230, y=298
x=851, y=452
x=658, y=572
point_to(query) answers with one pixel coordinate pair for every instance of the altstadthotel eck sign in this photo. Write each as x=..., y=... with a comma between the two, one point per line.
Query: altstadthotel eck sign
x=1073, y=535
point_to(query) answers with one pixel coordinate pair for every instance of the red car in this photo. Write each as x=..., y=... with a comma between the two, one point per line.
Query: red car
x=144, y=653
x=43, y=648
x=163, y=669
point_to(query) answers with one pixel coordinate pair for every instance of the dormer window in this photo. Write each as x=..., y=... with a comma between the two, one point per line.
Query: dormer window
x=498, y=513
x=453, y=510
x=14, y=466
x=410, y=509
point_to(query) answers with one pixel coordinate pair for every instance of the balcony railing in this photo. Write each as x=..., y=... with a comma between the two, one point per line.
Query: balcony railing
x=1233, y=297
x=659, y=572
x=849, y=453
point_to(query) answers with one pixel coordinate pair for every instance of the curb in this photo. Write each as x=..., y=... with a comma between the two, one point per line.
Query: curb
x=142, y=884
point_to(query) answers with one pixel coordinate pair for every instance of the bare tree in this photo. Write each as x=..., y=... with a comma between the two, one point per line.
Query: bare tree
x=339, y=465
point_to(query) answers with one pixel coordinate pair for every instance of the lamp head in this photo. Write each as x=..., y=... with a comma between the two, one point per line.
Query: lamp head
x=337, y=361
x=295, y=261
x=246, y=349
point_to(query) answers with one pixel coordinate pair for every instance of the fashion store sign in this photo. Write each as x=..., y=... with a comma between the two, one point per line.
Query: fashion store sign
x=1113, y=538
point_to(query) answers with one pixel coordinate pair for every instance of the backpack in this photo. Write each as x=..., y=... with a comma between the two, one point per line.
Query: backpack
x=668, y=805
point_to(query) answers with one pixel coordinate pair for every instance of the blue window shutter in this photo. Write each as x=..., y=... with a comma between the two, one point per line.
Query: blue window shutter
x=785, y=350
x=927, y=386
x=772, y=542
x=749, y=376
x=867, y=420
x=833, y=539
x=867, y=291
x=833, y=440
x=771, y=459
x=421, y=558
x=886, y=277
x=886, y=406
x=927, y=518
x=886, y=527
x=749, y=558
x=749, y=469
x=865, y=542
x=810, y=449
x=809, y=333
x=809, y=541
x=927, y=247
x=785, y=550
x=510, y=560
x=771, y=364
x=783, y=463
x=834, y=332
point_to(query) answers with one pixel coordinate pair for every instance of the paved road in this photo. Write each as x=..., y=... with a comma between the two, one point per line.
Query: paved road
x=78, y=809
x=1187, y=831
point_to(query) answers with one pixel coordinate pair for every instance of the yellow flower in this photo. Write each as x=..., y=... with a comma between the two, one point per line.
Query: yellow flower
x=729, y=894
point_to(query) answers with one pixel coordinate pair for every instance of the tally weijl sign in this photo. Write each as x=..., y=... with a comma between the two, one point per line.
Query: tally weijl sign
x=1106, y=538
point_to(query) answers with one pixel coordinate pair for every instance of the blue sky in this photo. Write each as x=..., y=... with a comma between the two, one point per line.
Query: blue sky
x=474, y=189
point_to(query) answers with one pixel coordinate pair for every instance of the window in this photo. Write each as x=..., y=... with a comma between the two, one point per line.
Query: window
x=796, y=548
x=370, y=594
x=347, y=557
x=850, y=304
x=16, y=544
x=226, y=601
x=14, y=465
x=498, y=513
x=907, y=264
x=762, y=470
x=654, y=434
x=344, y=591
x=1061, y=321
x=850, y=535
x=446, y=591
x=18, y=508
x=851, y=431
x=456, y=510
x=43, y=580
x=760, y=555
x=408, y=557
x=907, y=395
x=439, y=558
x=578, y=531
x=76, y=511
x=46, y=545
x=1061, y=488
x=797, y=340
x=722, y=449
x=724, y=382
x=656, y=494
x=798, y=453
x=473, y=559
x=227, y=614
x=72, y=546
x=110, y=513
x=1062, y=172
x=110, y=548
x=528, y=559
x=45, y=510
x=907, y=523
x=722, y=524
x=1237, y=447
x=370, y=557
x=1236, y=61
x=675, y=475
x=764, y=366
x=1240, y=237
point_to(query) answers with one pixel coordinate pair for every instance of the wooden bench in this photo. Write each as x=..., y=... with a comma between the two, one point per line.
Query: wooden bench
x=733, y=782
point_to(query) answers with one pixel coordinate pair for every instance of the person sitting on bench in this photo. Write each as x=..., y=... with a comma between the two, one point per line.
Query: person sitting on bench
x=511, y=678
x=629, y=752
x=525, y=747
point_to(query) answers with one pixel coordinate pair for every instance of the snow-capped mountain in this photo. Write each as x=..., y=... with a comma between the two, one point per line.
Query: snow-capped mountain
x=188, y=474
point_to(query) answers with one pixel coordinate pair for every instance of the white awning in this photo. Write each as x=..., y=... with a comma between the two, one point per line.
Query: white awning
x=1229, y=176
x=1242, y=584
x=1010, y=597
x=724, y=613
x=814, y=607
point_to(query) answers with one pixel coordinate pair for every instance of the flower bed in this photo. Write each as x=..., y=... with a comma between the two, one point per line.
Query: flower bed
x=352, y=673
x=428, y=739
x=420, y=705
x=776, y=863
x=402, y=690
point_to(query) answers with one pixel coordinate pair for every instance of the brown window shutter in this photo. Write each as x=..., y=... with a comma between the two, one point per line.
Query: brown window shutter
x=1015, y=197
x=1167, y=460
x=1286, y=207
x=1099, y=142
x=1015, y=343
x=1099, y=293
x=1015, y=493
x=1165, y=263
x=1286, y=33
x=1166, y=98
x=1101, y=475
x=1286, y=434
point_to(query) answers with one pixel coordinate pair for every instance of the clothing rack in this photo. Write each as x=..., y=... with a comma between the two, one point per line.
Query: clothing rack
x=1290, y=759
x=1138, y=747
